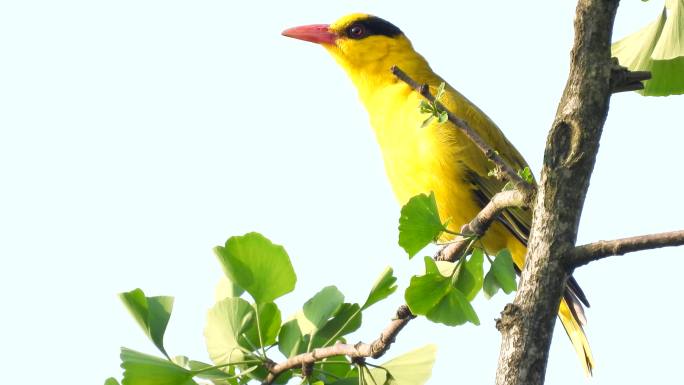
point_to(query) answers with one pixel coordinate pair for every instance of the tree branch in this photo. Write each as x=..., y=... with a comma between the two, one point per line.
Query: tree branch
x=480, y=224
x=377, y=348
x=622, y=79
x=374, y=349
x=602, y=249
x=501, y=166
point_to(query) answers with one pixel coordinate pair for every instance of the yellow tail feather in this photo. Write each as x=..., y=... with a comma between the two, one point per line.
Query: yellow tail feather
x=579, y=340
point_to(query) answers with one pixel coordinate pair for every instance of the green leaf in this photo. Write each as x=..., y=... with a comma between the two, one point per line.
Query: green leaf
x=526, y=175
x=225, y=288
x=227, y=322
x=111, y=381
x=318, y=309
x=443, y=117
x=500, y=275
x=671, y=42
x=151, y=313
x=504, y=271
x=453, y=309
x=658, y=48
x=440, y=90
x=470, y=275
x=346, y=320
x=335, y=368
x=269, y=325
x=207, y=371
x=490, y=286
x=434, y=296
x=144, y=369
x=254, y=371
x=419, y=223
x=351, y=379
x=283, y=378
x=182, y=361
x=260, y=267
x=445, y=268
x=383, y=287
x=425, y=107
x=412, y=368
x=291, y=339
x=425, y=292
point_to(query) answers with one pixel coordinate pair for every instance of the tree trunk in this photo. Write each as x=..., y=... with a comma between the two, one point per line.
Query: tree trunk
x=571, y=148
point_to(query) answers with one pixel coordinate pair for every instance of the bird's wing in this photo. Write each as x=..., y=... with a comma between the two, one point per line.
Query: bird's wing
x=516, y=220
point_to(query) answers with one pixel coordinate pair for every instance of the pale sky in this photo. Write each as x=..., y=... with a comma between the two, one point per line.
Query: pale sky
x=137, y=135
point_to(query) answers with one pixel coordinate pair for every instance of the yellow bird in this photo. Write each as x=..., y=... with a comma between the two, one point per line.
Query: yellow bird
x=437, y=157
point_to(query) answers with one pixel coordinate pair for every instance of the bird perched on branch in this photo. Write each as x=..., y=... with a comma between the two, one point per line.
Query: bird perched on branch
x=435, y=157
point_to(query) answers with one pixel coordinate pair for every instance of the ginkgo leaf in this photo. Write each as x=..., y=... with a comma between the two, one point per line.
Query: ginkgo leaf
x=144, y=369
x=659, y=49
x=318, y=309
x=435, y=296
x=419, y=223
x=151, y=313
x=227, y=323
x=383, y=287
x=671, y=42
x=412, y=368
x=225, y=288
x=257, y=265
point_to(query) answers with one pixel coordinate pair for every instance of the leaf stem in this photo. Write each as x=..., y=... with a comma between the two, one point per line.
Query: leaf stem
x=261, y=340
x=224, y=365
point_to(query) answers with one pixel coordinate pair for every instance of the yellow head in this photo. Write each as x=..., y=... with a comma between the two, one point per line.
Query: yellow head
x=362, y=44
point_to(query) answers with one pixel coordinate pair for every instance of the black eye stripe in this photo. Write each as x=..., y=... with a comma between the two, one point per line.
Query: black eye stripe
x=372, y=26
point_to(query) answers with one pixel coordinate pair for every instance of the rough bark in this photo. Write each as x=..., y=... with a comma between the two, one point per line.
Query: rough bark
x=571, y=148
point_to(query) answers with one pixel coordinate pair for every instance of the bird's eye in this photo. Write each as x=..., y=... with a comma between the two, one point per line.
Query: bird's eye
x=357, y=31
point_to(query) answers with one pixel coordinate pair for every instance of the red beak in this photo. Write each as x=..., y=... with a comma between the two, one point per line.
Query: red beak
x=315, y=33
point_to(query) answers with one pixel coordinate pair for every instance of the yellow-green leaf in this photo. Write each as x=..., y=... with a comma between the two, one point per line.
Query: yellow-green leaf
x=412, y=368
x=419, y=223
x=227, y=323
x=257, y=265
x=144, y=369
x=658, y=48
x=151, y=313
x=383, y=287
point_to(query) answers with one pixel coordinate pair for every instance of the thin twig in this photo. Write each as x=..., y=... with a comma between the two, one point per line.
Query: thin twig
x=374, y=349
x=622, y=79
x=481, y=222
x=602, y=249
x=501, y=165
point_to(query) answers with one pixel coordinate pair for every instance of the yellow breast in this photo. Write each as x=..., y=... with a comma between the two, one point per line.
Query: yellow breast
x=419, y=159
x=431, y=158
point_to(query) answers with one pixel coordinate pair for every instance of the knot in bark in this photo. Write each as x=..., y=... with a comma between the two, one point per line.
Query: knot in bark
x=404, y=312
x=510, y=317
x=307, y=369
x=622, y=79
